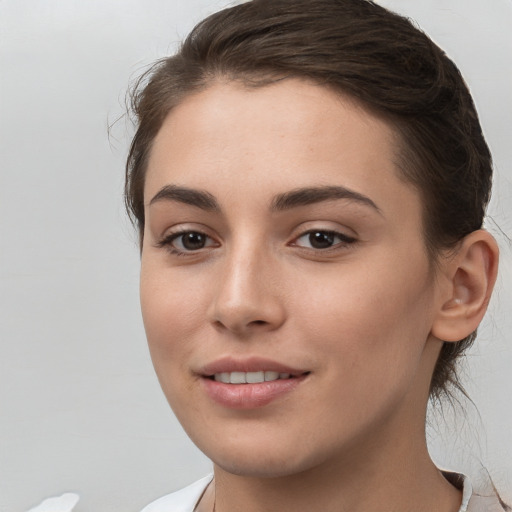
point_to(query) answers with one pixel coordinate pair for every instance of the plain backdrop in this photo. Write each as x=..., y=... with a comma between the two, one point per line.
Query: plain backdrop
x=81, y=409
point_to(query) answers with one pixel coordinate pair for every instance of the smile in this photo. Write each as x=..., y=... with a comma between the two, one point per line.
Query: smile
x=249, y=377
x=249, y=383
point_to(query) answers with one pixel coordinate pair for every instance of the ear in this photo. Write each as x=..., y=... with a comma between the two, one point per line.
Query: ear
x=469, y=275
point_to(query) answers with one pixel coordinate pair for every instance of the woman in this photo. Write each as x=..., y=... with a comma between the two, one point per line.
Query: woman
x=309, y=181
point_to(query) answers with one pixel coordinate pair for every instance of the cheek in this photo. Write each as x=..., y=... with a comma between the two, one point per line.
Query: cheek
x=371, y=338
x=171, y=315
x=171, y=311
x=374, y=318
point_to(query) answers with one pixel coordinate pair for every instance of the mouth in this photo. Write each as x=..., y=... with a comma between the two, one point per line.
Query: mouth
x=252, y=377
x=253, y=370
x=250, y=383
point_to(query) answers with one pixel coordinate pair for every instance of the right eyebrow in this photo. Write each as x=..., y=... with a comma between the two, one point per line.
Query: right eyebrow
x=199, y=198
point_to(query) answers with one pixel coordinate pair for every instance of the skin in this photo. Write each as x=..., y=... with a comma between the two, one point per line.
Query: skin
x=360, y=316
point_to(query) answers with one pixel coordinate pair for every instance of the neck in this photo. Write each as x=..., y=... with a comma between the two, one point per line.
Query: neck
x=409, y=482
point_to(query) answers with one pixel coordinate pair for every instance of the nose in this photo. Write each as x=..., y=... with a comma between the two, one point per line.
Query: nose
x=248, y=296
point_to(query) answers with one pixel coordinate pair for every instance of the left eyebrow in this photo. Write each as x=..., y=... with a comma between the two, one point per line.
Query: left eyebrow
x=311, y=195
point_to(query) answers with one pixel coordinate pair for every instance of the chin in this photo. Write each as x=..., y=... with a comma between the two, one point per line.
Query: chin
x=265, y=461
x=262, y=468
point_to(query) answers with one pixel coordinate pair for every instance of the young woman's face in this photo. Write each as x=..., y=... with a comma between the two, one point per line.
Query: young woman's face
x=286, y=290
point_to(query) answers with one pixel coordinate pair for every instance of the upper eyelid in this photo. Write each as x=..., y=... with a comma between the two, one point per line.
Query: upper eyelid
x=326, y=230
x=345, y=239
x=185, y=227
x=179, y=232
x=327, y=227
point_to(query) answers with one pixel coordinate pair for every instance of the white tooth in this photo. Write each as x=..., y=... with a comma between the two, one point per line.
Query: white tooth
x=255, y=377
x=271, y=376
x=223, y=377
x=237, y=378
x=284, y=375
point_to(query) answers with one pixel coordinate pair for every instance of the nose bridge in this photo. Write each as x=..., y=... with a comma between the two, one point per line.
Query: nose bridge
x=247, y=295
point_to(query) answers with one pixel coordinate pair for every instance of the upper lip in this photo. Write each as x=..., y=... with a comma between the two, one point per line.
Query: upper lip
x=251, y=364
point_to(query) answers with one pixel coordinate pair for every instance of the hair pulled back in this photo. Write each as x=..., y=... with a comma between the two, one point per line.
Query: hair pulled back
x=359, y=49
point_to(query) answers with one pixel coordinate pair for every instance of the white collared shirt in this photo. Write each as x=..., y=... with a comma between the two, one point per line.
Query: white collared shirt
x=186, y=500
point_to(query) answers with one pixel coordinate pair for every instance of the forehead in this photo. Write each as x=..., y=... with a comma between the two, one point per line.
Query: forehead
x=230, y=138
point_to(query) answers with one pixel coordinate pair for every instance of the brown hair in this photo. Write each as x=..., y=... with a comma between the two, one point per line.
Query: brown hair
x=358, y=48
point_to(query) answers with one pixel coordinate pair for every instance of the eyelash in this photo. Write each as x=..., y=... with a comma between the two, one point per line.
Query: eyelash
x=344, y=241
x=167, y=242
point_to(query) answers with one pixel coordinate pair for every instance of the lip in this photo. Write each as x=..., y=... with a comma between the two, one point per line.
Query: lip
x=249, y=396
x=252, y=364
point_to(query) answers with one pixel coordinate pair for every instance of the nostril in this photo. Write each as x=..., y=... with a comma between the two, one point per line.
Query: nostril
x=247, y=314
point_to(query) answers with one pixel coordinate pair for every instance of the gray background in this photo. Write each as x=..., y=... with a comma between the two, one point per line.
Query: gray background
x=80, y=407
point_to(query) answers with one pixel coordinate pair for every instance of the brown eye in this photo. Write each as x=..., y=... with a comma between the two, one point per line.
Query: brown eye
x=185, y=242
x=192, y=241
x=323, y=239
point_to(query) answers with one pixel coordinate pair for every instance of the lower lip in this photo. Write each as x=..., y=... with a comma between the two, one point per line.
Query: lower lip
x=249, y=396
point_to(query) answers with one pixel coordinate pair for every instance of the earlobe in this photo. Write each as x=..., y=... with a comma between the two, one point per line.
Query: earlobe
x=471, y=274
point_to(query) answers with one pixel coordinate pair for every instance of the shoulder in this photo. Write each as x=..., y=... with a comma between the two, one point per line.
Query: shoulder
x=474, y=500
x=183, y=500
x=485, y=503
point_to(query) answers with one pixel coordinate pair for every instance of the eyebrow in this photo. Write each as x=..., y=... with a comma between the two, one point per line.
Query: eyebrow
x=311, y=195
x=199, y=198
x=286, y=201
